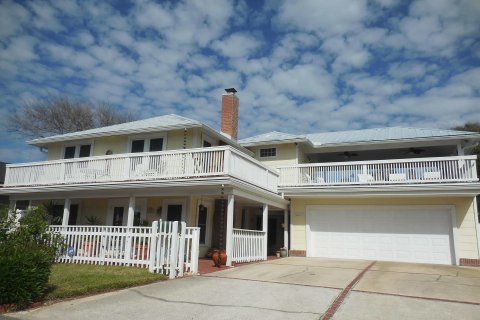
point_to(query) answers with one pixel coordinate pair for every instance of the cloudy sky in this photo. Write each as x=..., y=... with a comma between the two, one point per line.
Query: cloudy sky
x=299, y=66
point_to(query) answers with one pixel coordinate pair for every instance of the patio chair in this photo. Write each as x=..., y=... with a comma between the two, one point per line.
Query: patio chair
x=365, y=178
x=432, y=175
x=397, y=177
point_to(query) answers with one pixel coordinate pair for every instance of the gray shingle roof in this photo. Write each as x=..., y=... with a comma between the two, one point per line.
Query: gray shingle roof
x=359, y=136
x=166, y=122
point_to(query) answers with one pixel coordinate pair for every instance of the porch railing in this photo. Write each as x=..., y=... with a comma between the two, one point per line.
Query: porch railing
x=161, y=165
x=248, y=245
x=166, y=247
x=402, y=171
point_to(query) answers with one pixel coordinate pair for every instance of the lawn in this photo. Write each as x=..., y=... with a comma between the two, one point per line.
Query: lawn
x=71, y=280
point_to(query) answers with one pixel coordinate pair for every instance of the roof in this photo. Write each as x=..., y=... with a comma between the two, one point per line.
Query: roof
x=167, y=122
x=364, y=136
x=272, y=137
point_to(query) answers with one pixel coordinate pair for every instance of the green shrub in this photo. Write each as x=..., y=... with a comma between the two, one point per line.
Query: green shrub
x=27, y=252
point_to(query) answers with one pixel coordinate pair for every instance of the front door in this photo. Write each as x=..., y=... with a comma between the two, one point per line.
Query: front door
x=118, y=215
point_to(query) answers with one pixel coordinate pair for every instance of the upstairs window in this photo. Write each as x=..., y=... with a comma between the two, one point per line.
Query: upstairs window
x=146, y=145
x=268, y=152
x=77, y=151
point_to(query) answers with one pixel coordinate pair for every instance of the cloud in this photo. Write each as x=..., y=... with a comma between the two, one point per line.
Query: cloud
x=237, y=45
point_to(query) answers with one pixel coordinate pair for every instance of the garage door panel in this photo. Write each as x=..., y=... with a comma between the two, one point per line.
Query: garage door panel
x=397, y=233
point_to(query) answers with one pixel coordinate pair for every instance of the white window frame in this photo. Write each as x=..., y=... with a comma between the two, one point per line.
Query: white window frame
x=209, y=223
x=267, y=157
x=166, y=203
x=77, y=145
x=147, y=138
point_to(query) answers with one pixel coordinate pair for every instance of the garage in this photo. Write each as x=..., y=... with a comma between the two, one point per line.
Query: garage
x=392, y=233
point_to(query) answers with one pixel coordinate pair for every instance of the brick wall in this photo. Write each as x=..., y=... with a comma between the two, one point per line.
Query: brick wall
x=230, y=115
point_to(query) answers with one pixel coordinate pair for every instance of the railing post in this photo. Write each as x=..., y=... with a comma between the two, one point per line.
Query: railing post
x=153, y=246
x=181, y=249
x=227, y=160
x=174, y=251
x=195, y=247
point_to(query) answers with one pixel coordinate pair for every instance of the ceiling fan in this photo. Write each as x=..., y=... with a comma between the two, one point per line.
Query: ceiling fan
x=348, y=154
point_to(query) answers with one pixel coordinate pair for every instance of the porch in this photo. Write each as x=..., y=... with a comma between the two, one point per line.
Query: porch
x=458, y=169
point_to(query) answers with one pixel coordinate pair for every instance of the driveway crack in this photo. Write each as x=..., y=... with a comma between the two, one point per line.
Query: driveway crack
x=221, y=305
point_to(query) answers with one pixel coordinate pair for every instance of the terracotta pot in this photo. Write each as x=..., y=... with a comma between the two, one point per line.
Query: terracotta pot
x=216, y=258
x=223, y=257
x=89, y=248
x=141, y=251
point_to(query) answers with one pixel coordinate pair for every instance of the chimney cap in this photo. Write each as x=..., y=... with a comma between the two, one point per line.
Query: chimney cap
x=231, y=90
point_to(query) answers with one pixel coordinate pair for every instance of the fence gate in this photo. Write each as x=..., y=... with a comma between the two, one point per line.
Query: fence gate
x=174, y=248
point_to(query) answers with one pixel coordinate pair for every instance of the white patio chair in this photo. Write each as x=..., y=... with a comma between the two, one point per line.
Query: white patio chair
x=432, y=175
x=397, y=177
x=365, y=178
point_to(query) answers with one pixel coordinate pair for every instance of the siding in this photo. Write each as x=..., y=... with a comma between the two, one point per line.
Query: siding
x=466, y=239
x=286, y=155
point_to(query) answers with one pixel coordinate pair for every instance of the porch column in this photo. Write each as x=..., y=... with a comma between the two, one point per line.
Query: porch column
x=285, y=229
x=265, y=229
x=66, y=212
x=131, y=211
x=131, y=215
x=229, y=242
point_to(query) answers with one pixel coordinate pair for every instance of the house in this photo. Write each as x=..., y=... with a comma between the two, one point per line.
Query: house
x=3, y=199
x=400, y=194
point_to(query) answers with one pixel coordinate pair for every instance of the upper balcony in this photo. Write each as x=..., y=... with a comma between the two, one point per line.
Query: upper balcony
x=195, y=164
x=459, y=169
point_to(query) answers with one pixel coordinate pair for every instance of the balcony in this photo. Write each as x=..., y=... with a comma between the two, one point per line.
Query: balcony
x=163, y=165
x=382, y=172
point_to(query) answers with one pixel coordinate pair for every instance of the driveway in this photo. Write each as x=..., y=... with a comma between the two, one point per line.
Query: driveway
x=292, y=288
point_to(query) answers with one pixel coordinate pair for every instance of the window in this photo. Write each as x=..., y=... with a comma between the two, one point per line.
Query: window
x=138, y=145
x=77, y=151
x=202, y=222
x=268, y=152
x=147, y=144
x=69, y=152
x=118, y=216
x=22, y=204
x=156, y=144
x=84, y=151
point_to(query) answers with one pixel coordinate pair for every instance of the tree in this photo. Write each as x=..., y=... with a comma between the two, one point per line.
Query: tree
x=62, y=114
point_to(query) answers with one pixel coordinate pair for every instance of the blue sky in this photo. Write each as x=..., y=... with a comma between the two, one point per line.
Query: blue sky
x=299, y=66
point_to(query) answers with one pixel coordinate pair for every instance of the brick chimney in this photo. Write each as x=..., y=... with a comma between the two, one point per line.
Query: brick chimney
x=230, y=114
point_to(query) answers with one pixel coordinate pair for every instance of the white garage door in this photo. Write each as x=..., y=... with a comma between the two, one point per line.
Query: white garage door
x=393, y=233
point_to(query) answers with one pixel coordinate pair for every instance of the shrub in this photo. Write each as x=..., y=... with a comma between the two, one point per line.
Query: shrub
x=27, y=252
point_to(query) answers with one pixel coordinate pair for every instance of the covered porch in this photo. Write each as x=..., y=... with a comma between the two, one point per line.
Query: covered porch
x=248, y=223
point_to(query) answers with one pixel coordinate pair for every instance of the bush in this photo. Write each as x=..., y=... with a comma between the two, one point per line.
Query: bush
x=27, y=253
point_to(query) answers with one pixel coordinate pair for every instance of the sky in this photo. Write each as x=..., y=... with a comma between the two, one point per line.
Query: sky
x=299, y=66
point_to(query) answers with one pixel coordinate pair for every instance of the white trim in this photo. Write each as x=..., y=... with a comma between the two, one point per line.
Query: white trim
x=167, y=202
x=209, y=224
x=452, y=234
x=147, y=138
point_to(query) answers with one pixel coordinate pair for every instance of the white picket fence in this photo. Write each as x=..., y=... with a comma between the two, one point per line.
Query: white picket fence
x=166, y=247
x=248, y=245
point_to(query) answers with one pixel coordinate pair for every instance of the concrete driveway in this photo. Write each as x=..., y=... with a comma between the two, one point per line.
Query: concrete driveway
x=292, y=288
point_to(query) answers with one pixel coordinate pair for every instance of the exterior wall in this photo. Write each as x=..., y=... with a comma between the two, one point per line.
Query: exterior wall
x=466, y=238
x=175, y=139
x=54, y=151
x=286, y=155
x=117, y=144
x=93, y=207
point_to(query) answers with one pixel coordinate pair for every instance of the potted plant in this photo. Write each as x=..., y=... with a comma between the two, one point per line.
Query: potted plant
x=283, y=252
x=89, y=246
x=141, y=250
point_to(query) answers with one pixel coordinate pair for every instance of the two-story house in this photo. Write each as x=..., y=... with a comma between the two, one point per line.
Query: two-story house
x=400, y=194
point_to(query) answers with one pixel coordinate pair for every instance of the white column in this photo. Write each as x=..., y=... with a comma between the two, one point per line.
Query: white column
x=285, y=229
x=265, y=229
x=131, y=215
x=12, y=209
x=131, y=211
x=229, y=244
x=66, y=212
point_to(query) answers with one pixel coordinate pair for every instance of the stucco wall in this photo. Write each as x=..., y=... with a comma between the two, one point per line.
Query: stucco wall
x=466, y=241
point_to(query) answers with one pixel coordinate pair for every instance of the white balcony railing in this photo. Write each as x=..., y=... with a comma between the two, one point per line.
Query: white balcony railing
x=402, y=171
x=162, y=165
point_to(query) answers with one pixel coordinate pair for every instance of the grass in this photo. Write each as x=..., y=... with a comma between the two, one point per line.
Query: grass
x=72, y=280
